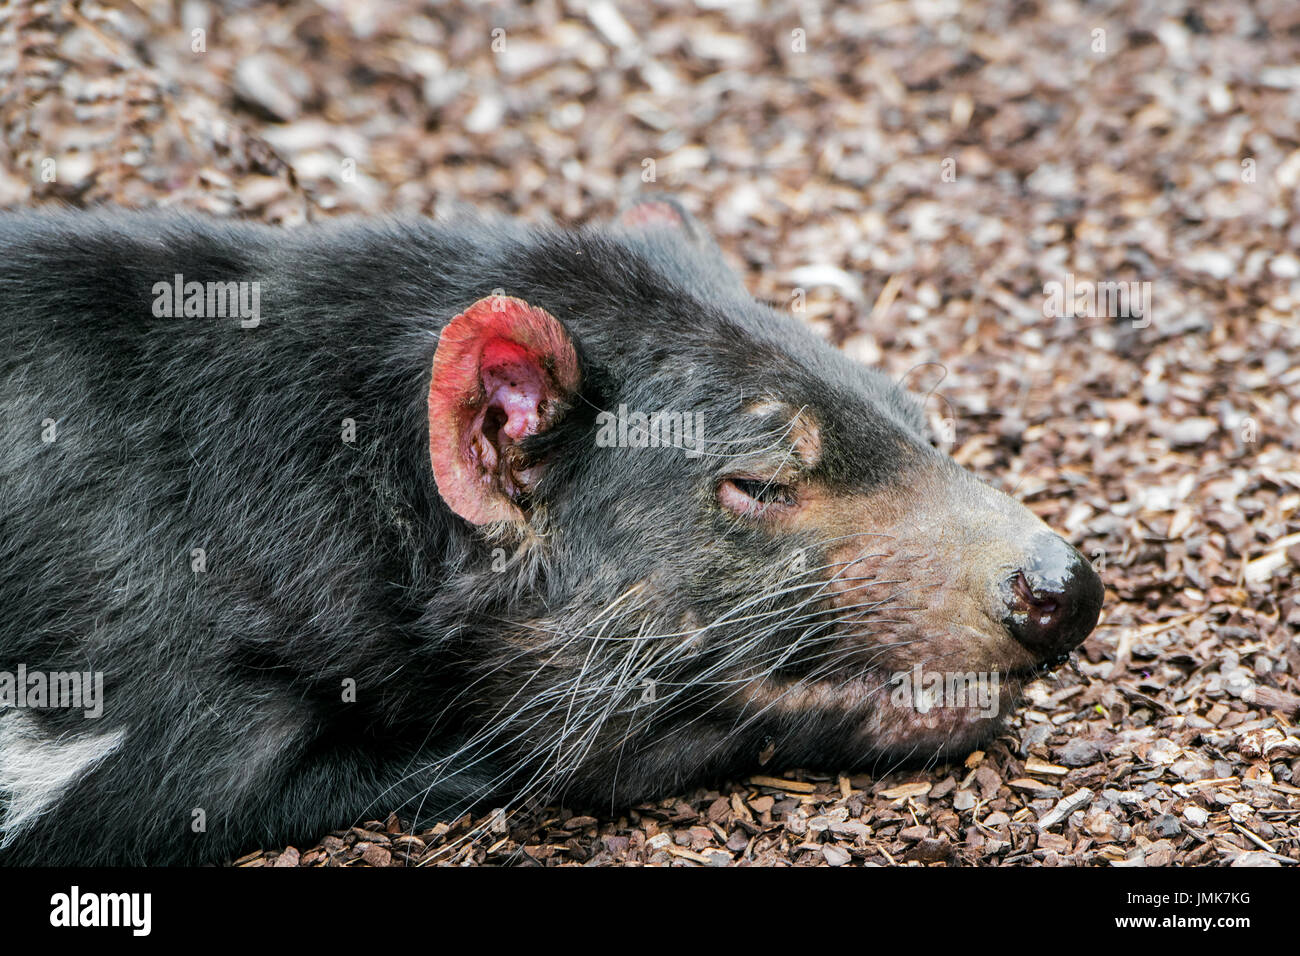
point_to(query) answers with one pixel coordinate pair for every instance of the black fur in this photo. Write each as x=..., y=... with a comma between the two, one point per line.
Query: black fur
x=330, y=562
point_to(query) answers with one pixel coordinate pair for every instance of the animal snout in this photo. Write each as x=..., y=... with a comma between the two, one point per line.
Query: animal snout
x=1053, y=600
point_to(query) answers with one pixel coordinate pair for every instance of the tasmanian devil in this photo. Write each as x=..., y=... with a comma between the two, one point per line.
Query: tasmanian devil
x=298, y=528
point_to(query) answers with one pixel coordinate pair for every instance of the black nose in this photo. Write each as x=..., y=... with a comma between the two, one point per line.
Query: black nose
x=1053, y=601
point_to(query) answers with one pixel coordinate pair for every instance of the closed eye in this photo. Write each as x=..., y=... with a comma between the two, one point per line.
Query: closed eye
x=756, y=497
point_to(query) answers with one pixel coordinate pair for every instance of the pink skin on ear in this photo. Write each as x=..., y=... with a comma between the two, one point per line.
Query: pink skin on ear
x=651, y=213
x=502, y=371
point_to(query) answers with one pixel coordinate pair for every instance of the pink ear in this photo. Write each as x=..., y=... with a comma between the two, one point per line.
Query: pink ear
x=503, y=370
x=650, y=213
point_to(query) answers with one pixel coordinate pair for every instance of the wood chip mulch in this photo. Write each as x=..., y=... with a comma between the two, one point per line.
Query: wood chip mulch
x=921, y=171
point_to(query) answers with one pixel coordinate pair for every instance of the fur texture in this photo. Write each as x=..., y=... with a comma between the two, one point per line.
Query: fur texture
x=621, y=641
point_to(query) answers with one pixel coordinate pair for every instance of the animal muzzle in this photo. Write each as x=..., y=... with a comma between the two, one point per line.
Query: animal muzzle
x=996, y=570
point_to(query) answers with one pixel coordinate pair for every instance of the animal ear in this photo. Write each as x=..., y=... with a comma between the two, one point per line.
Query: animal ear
x=656, y=212
x=657, y=217
x=504, y=370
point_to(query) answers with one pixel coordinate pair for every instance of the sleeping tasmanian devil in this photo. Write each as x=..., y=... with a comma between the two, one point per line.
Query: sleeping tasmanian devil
x=301, y=528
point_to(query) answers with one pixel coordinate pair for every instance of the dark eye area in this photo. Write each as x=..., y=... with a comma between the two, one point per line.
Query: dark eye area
x=756, y=497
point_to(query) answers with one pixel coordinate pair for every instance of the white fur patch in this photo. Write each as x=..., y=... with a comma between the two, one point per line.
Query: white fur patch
x=35, y=769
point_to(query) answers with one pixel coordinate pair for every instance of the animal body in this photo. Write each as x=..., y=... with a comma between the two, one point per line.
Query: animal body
x=377, y=516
